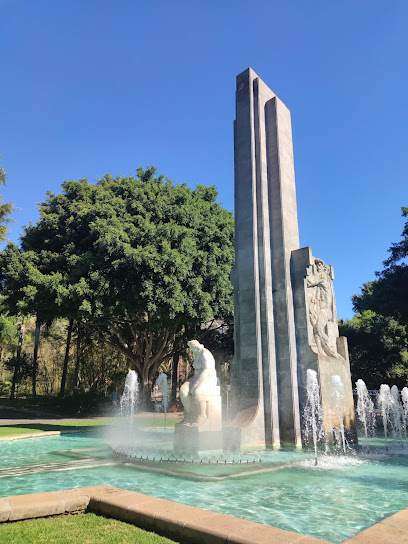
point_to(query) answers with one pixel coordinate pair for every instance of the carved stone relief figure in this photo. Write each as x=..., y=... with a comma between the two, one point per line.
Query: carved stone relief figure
x=322, y=308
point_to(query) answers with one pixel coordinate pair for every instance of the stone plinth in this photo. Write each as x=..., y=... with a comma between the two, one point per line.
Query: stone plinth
x=311, y=353
x=190, y=440
x=213, y=412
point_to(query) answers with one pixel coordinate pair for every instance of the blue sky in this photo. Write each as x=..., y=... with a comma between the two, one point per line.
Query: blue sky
x=96, y=86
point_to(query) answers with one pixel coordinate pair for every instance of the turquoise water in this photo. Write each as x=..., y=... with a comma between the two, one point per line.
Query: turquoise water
x=332, y=501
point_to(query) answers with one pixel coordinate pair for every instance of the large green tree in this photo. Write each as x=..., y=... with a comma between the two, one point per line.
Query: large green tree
x=378, y=347
x=139, y=260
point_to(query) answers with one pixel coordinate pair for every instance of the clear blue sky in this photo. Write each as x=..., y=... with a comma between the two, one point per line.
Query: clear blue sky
x=96, y=86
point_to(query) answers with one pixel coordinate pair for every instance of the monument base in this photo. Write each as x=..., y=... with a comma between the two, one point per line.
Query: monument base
x=327, y=368
x=192, y=439
x=246, y=430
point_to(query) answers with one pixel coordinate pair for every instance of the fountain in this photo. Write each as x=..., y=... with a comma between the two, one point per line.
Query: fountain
x=163, y=389
x=365, y=410
x=199, y=439
x=397, y=413
x=128, y=400
x=313, y=412
x=385, y=403
x=265, y=485
x=337, y=396
x=196, y=440
x=404, y=397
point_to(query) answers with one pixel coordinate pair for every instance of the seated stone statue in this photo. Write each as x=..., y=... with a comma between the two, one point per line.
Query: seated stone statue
x=199, y=392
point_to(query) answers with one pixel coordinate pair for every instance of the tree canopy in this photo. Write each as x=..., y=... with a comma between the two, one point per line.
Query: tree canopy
x=378, y=347
x=140, y=259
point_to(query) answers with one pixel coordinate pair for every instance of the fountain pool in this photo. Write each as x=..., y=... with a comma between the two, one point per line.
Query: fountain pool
x=332, y=501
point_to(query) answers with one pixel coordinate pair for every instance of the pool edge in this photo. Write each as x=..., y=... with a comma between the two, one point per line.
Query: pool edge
x=170, y=519
x=178, y=521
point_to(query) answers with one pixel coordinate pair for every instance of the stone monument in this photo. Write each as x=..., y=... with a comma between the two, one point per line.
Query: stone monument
x=285, y=312
x=201, y=428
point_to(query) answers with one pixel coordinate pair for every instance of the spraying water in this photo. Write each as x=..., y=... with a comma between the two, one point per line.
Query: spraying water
x=404, y=397
x=163, y=387
x=385, y=403
x=397, y=414
x=128, y=400
x=337, y=396
x=365, y=409
x=313, y=412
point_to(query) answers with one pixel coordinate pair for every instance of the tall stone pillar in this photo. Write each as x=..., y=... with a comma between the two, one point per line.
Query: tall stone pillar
x=265, y=364
x=277, y=333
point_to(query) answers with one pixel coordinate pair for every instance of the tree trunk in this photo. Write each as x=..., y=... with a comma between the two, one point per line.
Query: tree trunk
x=77, y=376
x=21, y=328
x=35, y=356
x=145, y=393
x=66, y=358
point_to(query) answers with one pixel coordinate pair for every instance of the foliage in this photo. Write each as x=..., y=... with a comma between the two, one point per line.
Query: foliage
x=24, y=366
x=103, y=368
x=378, y=335
x=388, y=295
x=218, y=337
x=141, y=262
x=8, y=347
x=378, y=347
x=25, y=289
x=399, y=250
x=8, y=334
x=98, y=362
x=5, y=208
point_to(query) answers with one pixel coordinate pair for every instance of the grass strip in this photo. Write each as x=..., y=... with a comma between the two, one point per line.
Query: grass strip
x=8, y=431
x=142, y=422
x=23, y=428
x=81, y=528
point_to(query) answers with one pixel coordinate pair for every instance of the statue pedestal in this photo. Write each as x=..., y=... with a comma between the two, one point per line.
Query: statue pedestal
x=192, y=439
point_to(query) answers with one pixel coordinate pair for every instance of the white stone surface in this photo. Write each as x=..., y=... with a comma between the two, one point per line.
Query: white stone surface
x=200, y=395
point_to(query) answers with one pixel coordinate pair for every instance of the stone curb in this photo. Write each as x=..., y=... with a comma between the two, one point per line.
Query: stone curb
x=39, y=505
x=391, y=530
x=180, y=522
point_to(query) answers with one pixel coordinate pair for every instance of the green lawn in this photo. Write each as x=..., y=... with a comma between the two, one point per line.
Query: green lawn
x=7, y=431
x=66, y=426
x=81, y=529
x=157, y=421
x=142, y=420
